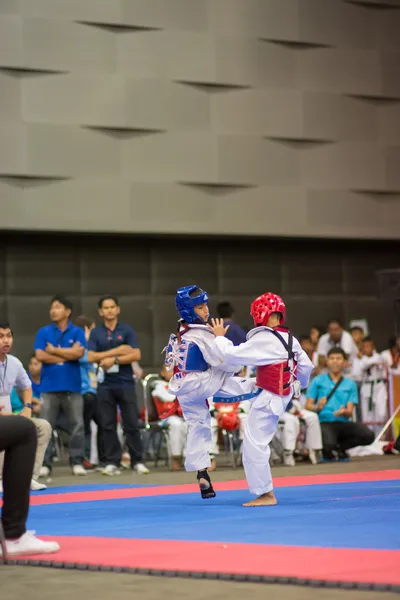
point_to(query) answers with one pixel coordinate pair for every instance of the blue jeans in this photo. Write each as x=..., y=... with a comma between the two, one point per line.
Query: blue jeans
x=71, y=405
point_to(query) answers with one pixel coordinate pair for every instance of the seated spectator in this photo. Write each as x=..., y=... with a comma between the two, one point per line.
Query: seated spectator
x=292, y=418
x=358, y=334
x=308, y=347
x=34, y=371
x=43, y=438
x=177, y=427
x=333, y=396
x=235, y=333
x=13, y=374
x=314, y=335
x=371, y=371
x=391, y=356
x=336, y=337
x=18, y=443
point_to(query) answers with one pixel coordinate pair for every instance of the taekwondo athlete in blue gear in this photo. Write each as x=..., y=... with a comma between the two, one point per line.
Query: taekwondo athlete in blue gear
x=197, y=377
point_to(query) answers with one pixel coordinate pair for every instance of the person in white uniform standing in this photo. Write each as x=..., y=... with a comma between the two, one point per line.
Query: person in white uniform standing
x=371, y=370
x=199, y=374
x=282, y=369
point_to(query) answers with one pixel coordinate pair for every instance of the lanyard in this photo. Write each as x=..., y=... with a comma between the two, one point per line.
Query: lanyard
x=3, y=378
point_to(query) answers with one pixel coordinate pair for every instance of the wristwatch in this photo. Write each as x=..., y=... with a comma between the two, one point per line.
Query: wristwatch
x=116, y=361
x=29, y=405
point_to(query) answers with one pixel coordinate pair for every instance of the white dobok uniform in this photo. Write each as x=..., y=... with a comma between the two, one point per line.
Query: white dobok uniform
x=291, y=428
x=194, y=388
x=371, y=371
x=177, y=425
x=261, y=348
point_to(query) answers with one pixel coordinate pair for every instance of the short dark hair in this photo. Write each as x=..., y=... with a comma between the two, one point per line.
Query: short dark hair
x=62, y=300
x=83, y=321
x=107, y=297
x=5, y=325
x=356, y=328
x=337, y=321
x=304, y=338
x=367, y=338
x=337, y=350
x=225, y=310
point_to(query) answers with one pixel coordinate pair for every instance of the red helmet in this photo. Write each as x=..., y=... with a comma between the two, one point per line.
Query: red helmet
x=263, y=307
x=230, y=421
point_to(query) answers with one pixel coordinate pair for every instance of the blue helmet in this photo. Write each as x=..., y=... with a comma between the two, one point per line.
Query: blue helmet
x=185, y=303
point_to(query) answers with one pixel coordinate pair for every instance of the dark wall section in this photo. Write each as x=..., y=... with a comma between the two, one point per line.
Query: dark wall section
x=318, y=280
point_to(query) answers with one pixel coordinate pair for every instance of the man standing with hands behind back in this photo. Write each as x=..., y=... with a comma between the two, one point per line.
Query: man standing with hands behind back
x=113, y=346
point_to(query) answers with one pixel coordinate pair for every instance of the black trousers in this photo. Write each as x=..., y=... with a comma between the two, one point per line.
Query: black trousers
x=107, y=402
x=90, y=413
x=342, y=436
x=18, y=439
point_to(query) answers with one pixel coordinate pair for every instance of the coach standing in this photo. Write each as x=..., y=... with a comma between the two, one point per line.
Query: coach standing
x=113, y=346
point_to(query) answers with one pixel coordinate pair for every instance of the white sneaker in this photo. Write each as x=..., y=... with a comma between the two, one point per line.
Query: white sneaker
x=78, y=470
x=111, y=470
x=37, y=487
x=288, y=459
x=44, y=472
x=314, y=456
x=141, y=469
x=29, y=544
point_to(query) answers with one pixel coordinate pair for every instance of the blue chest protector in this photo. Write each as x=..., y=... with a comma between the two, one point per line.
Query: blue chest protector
x=185, y=356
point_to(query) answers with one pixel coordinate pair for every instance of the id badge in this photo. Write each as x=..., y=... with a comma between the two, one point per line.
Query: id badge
x=113, y=369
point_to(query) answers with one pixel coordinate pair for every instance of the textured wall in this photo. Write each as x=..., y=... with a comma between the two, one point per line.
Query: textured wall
x=263, y=117
x=318, y=280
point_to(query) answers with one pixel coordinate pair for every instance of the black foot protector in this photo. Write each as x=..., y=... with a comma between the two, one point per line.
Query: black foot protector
x=206, y=489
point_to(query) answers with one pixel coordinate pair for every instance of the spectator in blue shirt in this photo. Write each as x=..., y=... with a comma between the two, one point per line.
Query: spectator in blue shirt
x=59, y=347
x=34, y=371
x=88, y=388
x=333, y=397
x=113, y=346
x=235, y=333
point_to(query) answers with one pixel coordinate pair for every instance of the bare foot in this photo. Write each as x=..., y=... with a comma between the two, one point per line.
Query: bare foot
x=268, y=499
x=176, y=464
x=213, y=465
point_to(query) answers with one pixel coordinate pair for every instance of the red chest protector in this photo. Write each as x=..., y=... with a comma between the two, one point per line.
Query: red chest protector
x=279, y=377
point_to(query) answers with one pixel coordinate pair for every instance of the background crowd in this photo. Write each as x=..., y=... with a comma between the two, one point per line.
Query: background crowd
x=87, y=383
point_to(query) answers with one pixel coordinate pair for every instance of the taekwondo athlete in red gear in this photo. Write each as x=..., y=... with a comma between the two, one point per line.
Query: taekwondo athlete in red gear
x=198, y=376
x=282, y=369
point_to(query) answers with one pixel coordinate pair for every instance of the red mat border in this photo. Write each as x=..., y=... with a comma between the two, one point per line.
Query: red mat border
x=363, y=566
x=189, y=488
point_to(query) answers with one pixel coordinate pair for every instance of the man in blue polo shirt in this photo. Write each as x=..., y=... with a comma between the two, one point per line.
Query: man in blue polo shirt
x=113, y=346
x=59, y=347
x=235, y=333
x=333, y=397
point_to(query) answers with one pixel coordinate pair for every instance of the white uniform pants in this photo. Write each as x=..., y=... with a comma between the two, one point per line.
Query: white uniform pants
x=261, y=425
x=291, y=430
x=202, y=428
x=376, y=396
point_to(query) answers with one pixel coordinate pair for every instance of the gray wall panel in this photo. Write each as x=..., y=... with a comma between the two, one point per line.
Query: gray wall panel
x=274, y=107
x=317, y=279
